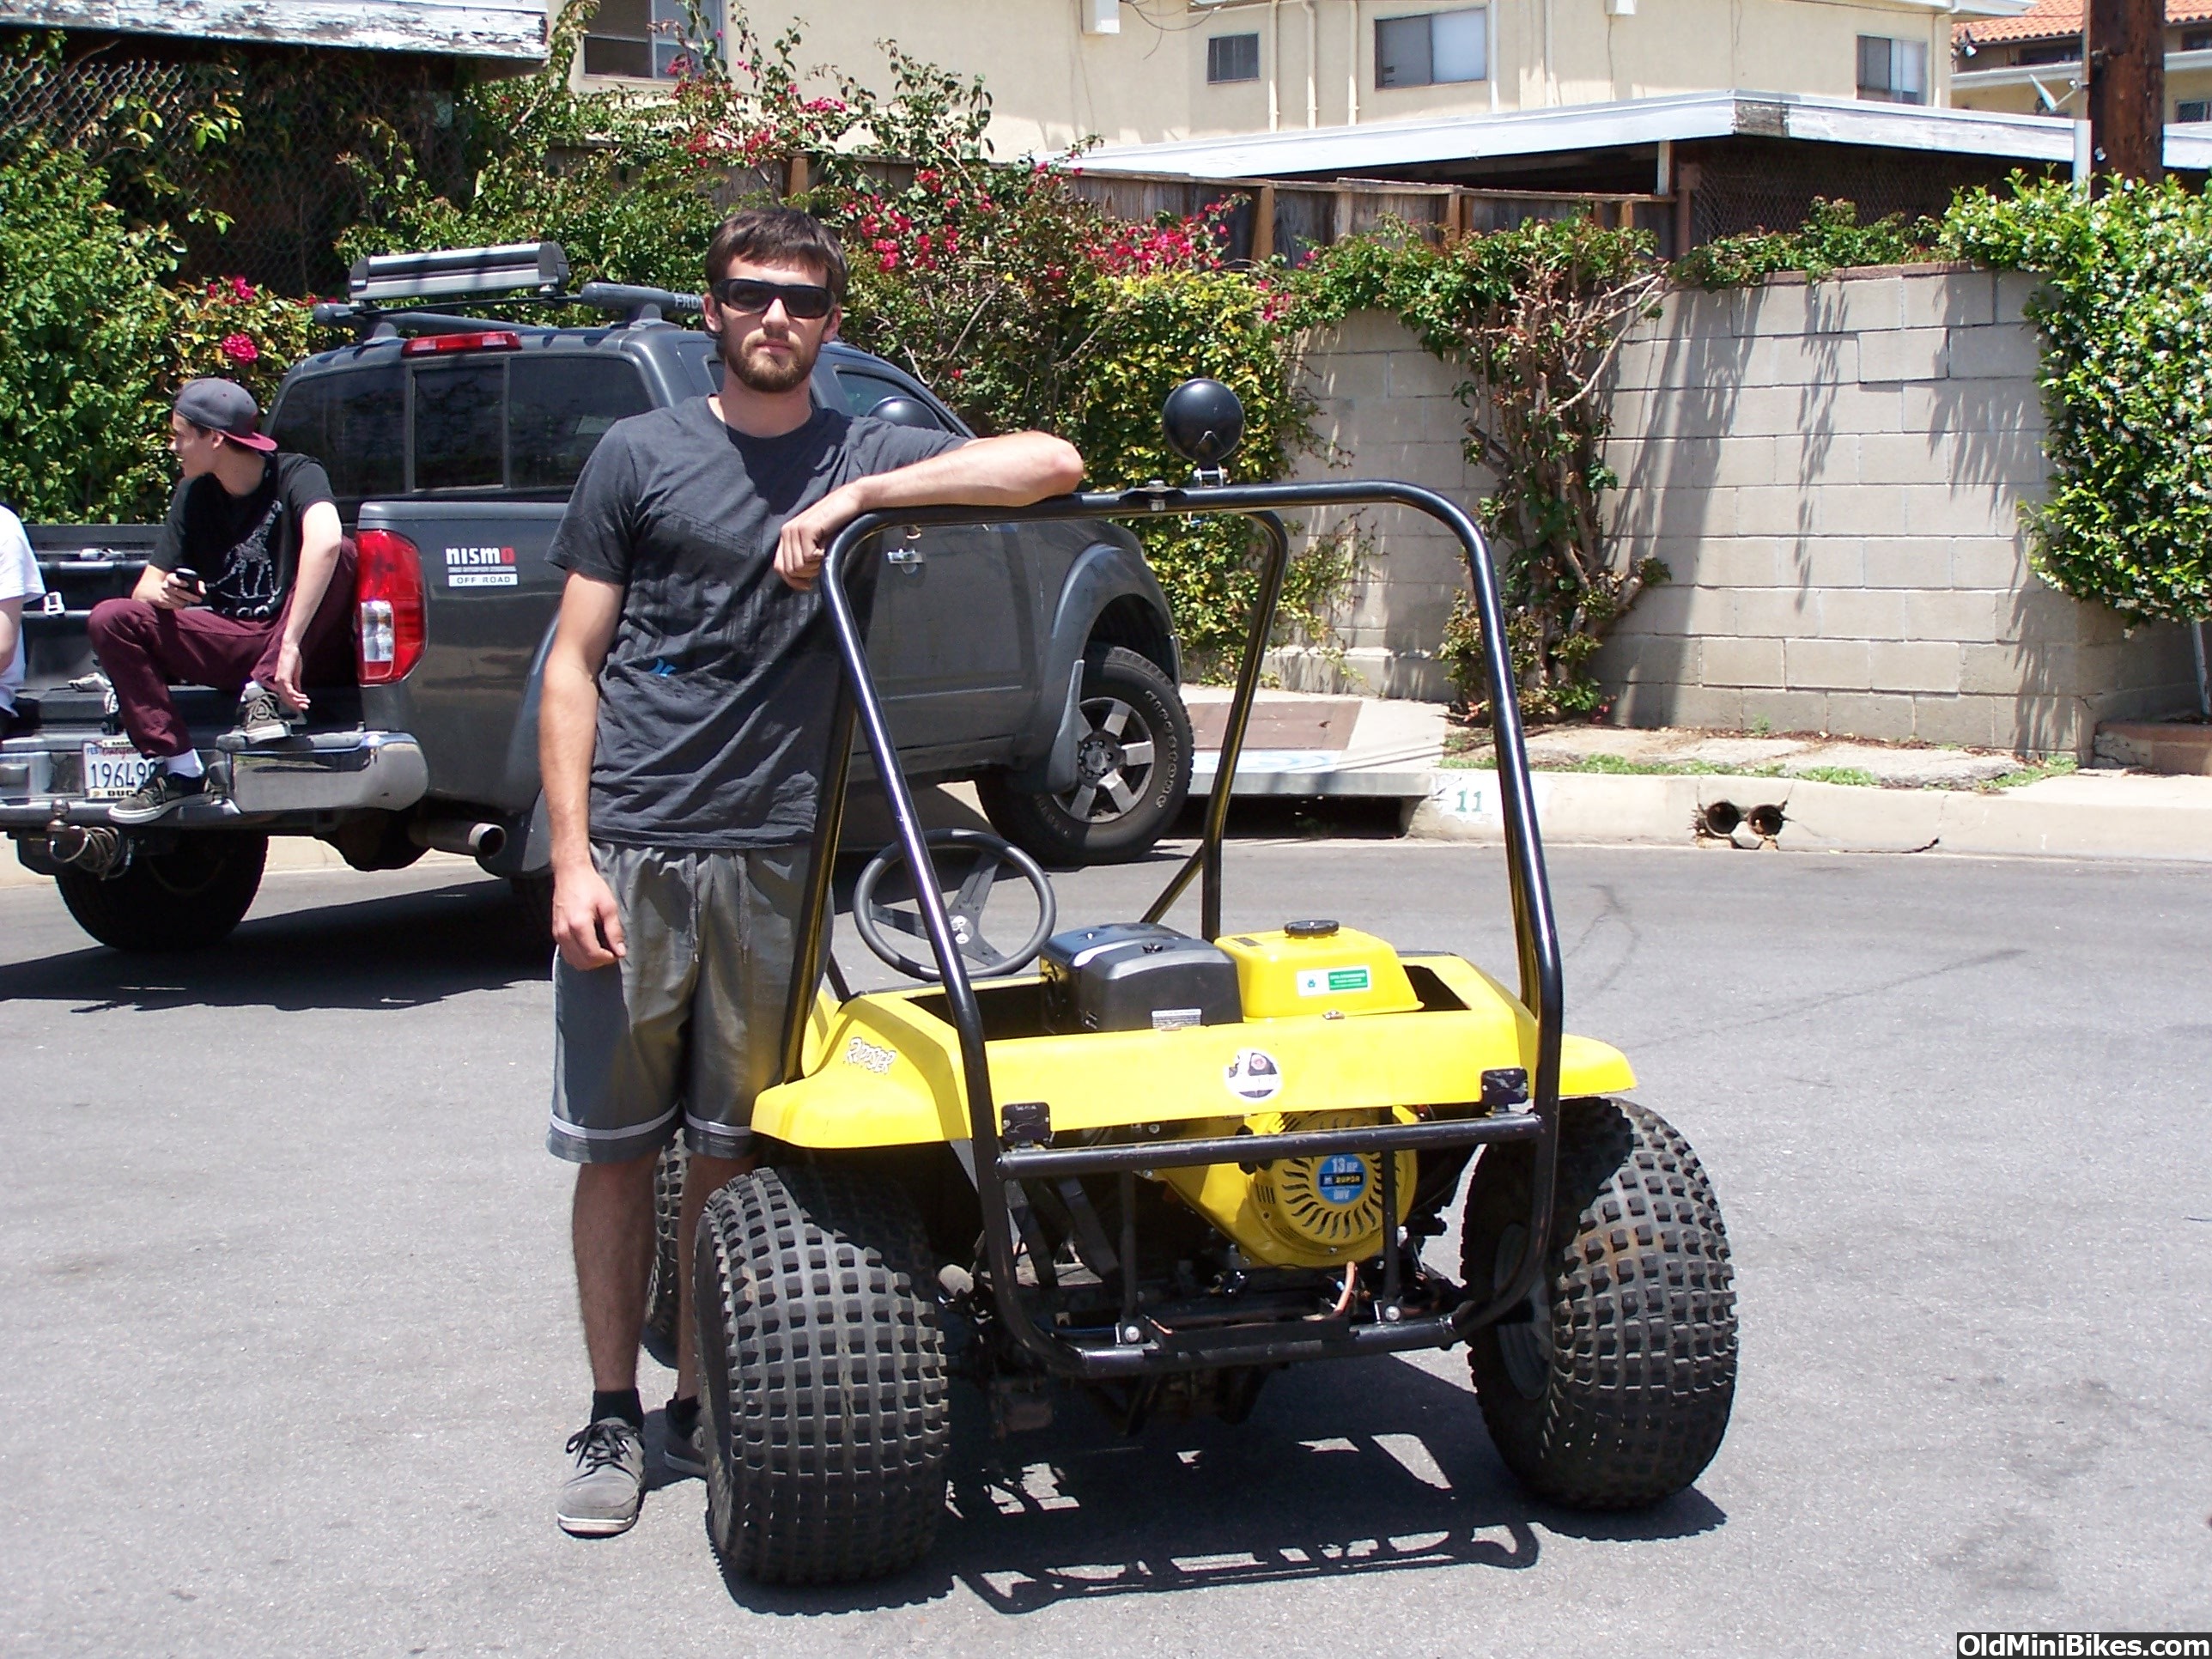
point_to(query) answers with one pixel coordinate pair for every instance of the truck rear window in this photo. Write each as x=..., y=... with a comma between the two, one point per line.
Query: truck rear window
x=354, y=422
x=524, y=421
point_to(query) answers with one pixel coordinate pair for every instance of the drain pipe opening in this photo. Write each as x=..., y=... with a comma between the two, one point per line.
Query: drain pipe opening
x=1765, y=822
x=1719, y=819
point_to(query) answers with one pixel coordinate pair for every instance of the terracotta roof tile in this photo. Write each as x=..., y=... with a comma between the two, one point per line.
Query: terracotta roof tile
x=2053, y=19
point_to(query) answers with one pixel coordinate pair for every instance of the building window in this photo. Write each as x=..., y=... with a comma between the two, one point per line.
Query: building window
x=2049, y=51
x=1440, y=47
x=1893, y=71
x=2197, y=39
x=2194, y=109
x=645, y=40
x=1233, y=58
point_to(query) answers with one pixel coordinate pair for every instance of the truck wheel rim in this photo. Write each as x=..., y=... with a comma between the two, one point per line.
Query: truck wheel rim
x=1113, y=762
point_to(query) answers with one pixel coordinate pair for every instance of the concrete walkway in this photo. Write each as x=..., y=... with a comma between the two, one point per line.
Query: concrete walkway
x=1681, y=787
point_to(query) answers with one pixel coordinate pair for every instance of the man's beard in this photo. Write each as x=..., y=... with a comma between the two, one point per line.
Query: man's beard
x=762, y=371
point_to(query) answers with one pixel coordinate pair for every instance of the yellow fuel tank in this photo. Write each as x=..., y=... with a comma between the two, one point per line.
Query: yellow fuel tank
x=1317, y=967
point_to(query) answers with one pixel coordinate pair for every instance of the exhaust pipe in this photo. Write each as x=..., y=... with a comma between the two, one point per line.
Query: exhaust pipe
x=471, y=838
x=93, y=848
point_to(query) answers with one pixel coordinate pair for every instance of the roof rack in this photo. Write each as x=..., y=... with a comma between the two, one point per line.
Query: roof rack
x=515, y=273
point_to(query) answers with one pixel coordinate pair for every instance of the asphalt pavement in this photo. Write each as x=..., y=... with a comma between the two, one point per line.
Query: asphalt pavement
x=292, y=1347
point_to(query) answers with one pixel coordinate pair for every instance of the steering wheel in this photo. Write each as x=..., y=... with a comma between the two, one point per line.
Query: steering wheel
x=965, y=895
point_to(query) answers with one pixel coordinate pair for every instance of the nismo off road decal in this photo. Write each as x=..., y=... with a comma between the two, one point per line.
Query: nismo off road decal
x=480, y=567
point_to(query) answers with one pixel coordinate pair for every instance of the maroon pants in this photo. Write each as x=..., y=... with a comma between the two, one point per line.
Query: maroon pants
x=144, y=649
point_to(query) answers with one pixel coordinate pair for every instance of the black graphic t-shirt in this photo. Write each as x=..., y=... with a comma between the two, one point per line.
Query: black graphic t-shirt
x=245, y=547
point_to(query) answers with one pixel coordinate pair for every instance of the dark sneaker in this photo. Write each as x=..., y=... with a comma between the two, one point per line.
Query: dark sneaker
x=686, y=1454
x=261, y=718
x=600, y=1497
x=158, y=796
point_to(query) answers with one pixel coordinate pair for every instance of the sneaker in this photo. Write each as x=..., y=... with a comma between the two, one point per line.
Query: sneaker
x=600, y=1497
x=686, y=1454
x=261, y=718
x=158, y=796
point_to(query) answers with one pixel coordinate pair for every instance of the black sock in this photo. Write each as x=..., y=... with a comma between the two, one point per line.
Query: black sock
x=617, y=1402
x=683, y=1416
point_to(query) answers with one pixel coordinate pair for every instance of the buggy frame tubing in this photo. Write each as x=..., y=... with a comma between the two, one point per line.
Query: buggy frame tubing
x=1536, y=935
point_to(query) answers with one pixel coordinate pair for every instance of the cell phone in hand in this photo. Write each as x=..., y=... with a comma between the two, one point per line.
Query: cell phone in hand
x=189, y=577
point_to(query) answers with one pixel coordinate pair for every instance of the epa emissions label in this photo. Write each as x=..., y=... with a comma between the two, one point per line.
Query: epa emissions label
x=1333, y=982
x=480, y=567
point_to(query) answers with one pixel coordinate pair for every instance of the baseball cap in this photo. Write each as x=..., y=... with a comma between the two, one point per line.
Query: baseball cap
x=226, y=407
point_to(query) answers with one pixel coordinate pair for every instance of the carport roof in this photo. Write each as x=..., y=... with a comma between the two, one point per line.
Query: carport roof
x=1378, y=148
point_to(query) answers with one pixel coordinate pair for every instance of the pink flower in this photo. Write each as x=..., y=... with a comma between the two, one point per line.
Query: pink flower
x=240, y=288
x=240, y=349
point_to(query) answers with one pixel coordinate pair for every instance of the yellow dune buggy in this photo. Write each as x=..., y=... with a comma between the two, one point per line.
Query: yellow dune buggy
x=1162, y=1167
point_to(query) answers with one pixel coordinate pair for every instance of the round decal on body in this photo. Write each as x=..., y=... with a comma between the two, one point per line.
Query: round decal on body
x=1254, y=1075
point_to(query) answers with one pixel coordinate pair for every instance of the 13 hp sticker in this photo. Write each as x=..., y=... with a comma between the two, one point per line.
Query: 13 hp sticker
x=480, y=567
x=1254, y=1075
x=1333, y=982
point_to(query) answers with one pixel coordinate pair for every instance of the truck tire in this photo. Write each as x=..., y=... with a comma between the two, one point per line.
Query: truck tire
x=661, y=1283
x=1614, y=1392
x=1135, y=760
x=185, y=899
x=825, y=1413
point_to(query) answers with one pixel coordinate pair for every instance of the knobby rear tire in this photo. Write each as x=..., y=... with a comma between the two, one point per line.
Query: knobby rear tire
x=825, y=1406
x=661, y=1285
x=1616, y=1393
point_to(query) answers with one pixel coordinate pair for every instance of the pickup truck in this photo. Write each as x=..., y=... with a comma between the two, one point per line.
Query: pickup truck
x=1039, y=660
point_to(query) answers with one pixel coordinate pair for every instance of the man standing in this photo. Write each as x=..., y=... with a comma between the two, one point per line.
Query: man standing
x=246, y=591
x=684, y=732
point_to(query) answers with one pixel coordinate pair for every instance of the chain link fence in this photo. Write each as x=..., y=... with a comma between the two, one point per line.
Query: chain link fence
x=268, y=196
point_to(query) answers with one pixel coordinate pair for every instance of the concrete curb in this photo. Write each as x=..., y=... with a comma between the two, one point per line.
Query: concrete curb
x=1595, y=808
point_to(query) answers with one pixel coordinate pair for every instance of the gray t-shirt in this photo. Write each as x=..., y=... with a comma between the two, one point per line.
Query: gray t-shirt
x=716, y=699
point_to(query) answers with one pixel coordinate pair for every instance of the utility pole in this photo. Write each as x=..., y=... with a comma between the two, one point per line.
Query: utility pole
x=2125, y=52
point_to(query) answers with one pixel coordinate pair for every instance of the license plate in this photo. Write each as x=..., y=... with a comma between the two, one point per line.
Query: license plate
x=112, y=768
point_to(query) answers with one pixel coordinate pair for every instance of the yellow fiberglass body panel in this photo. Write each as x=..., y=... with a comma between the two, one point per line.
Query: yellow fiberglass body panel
x=884, y=1071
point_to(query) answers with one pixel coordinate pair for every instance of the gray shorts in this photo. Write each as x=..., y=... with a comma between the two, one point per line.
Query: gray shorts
x=689, y=1022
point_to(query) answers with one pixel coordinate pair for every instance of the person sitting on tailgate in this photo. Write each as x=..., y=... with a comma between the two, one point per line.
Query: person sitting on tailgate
x=247, y=591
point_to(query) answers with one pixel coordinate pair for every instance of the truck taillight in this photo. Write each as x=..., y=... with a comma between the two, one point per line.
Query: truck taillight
x=388, y=610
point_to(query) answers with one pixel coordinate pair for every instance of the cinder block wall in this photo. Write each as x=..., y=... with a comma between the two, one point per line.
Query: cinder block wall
x=1833, y=472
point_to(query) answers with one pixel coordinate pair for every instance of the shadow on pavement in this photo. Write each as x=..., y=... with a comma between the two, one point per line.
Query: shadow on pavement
x=1352, y=1469
x=399, y=951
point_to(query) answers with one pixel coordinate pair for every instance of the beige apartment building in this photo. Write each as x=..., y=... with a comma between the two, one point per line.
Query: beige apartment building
x=2031, y=64
x=1152, y=72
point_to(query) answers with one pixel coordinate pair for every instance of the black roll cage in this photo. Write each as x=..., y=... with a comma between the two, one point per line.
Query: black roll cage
x=1138, y=1347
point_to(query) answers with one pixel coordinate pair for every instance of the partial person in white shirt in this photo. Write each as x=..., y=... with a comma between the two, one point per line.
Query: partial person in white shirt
x=19, y=581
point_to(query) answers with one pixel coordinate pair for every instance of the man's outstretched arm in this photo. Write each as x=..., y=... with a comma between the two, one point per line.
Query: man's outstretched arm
x=1012, y=471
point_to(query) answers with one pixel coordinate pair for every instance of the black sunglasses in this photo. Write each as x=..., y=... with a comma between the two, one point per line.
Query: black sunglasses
x=807, y=300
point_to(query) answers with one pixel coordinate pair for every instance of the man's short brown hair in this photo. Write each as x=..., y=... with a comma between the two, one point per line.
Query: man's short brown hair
x=778, y=236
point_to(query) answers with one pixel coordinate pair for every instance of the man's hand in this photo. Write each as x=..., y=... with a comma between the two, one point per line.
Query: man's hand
x=285, y=682
x=806, y=537
x=587, y=922
x=175, y=593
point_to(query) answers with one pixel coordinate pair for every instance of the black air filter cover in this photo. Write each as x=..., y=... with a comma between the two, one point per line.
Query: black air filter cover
x=1136, y=976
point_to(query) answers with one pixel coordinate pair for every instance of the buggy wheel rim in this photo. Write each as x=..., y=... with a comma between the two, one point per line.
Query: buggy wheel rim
x=1524, y=1345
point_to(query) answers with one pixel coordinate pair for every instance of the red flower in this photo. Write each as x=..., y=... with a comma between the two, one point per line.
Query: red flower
x=240, y=349
x=240, y=288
